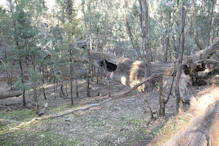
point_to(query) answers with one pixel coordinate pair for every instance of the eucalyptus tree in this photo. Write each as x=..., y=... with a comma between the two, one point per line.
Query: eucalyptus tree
x=24, y=36
x=69, y=23
x=5, y=39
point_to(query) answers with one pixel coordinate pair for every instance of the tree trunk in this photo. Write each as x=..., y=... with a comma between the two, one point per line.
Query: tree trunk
x=211, y=23
x=89, y=69
x=179, y=64
x=9, y=72
x=76, y=85
x=62, y=93
x=10, y=93
x=161, y=98
x=200, y=46
x=148, y=107
x=145, y=35
x=34, y=83
x=71, y=70
x=167, y=38
x=201, y=128
x=54, y=81
x=22, y=78
x=128, y=28
x=43, y=81
x=144, y=19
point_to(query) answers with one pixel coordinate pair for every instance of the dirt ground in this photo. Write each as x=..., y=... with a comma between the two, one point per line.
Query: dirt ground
x=123, y=121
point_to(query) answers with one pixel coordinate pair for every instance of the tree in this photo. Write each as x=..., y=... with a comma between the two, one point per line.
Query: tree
x=180, y=59
x=69, y=22
x=24, y=38
x=200, y=46
x=144, y=20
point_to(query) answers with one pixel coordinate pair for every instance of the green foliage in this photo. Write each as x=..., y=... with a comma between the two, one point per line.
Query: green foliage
x=34, y=77
x=4, y=23
x=19, y=85
x=104, y=20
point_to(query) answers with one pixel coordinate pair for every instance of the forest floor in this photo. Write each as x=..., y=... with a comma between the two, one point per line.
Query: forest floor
x=123, y=121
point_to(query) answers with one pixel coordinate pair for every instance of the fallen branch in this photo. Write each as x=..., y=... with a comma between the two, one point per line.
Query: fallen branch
x=10, y=93
x=70, y=112
x=96, y=104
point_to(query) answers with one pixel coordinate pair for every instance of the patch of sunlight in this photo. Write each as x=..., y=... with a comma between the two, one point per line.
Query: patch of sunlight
x=66, y=108
x=123, y=80
x=207, y=96
x=49, y=85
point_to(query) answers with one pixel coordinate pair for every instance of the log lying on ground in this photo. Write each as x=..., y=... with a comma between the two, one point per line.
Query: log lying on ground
x=204, y=128
x=130, y=72
x=126, y=71
x=10, y=93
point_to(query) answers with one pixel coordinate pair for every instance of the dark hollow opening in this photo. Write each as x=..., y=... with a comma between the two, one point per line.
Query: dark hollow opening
x=110, y=67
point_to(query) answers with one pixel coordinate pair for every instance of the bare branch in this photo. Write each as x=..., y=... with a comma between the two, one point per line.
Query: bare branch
x=96, y=104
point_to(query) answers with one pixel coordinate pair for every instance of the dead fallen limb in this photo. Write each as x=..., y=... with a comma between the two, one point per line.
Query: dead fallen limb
x=70, y=112
x=96, y=104
x=10, y=93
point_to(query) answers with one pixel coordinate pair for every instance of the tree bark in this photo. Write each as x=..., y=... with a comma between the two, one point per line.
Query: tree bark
x=128, y=28
x=89, y=70
x=71, y=70
x=145, y=35
x=161, y=98
x=43, y=81
x=148, y=107
x=76, y=87
x=22, y=81
x=179, y=64
x=131, y=72
x=201, y=127
x=211, y=24
x=10, y=93
x=34, y=83
x=200, y=46
x=167, y=38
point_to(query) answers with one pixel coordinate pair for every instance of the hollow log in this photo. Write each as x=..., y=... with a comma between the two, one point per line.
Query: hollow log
x=10, y=93
x=131, y=72
x=126, y=71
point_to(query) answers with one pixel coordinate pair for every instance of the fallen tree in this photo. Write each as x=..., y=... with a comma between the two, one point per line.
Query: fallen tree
x=131, y=72
x=202, y=130
x=201, y=126
x=10, y=93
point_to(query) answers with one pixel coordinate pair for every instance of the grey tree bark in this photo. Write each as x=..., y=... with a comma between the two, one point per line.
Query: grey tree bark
x=180, y=59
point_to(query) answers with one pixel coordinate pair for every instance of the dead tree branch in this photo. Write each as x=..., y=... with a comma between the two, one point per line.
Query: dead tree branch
x=95, y=104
